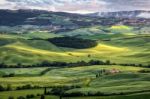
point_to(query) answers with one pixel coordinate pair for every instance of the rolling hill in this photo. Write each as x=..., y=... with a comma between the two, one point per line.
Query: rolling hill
x=73, y=55
x=118, y=49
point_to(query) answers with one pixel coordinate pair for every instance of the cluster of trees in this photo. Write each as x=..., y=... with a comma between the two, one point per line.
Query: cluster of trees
x=135, y=65
x=79, y=63
x=144, y=71
x=56, y=90
x=60, y=91
x=28, y=86
x=9, y=75
x=138, y=65
x=100, y=72
x=73, y=42
x=29, y=96
x=9, y=88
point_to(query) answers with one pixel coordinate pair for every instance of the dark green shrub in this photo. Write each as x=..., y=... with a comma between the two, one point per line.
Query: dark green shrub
x=144, y=71
x=2, y=88
x=9, y=75
x=10, y=97
x=21, y=97
x=30, y=96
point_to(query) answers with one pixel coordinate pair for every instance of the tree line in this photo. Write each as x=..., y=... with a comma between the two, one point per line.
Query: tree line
x=57, y=64
x=69, y=64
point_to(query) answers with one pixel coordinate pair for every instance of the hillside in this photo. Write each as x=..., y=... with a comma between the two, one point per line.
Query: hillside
x=118, y=49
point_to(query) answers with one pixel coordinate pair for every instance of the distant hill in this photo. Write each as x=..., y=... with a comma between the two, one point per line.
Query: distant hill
x=27, y=20
x=124, y=14
x=32, y=17
x=23, y=21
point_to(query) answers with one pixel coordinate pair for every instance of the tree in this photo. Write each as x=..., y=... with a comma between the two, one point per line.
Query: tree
x=19, y=65
x=60, y=97
x=2, y=88
x=42, y=97
x=9, y=88
x=89, y=55
x=45, y=91
x=107, y=62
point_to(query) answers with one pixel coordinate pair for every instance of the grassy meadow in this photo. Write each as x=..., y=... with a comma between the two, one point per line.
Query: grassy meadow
x=119, y=43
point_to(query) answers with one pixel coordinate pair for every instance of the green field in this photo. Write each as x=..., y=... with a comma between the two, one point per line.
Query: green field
x=118, y=44
x=22, y=71
x=4, y=95
x=15, y=94
x=130, y=47
x=128, y=80
x=58, y=76
x=133, y=96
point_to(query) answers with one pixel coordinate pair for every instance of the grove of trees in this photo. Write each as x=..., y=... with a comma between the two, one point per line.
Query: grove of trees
x=73, y=42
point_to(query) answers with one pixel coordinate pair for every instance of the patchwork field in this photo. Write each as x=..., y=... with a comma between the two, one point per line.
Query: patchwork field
x=58, y=76
x=128, y=80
